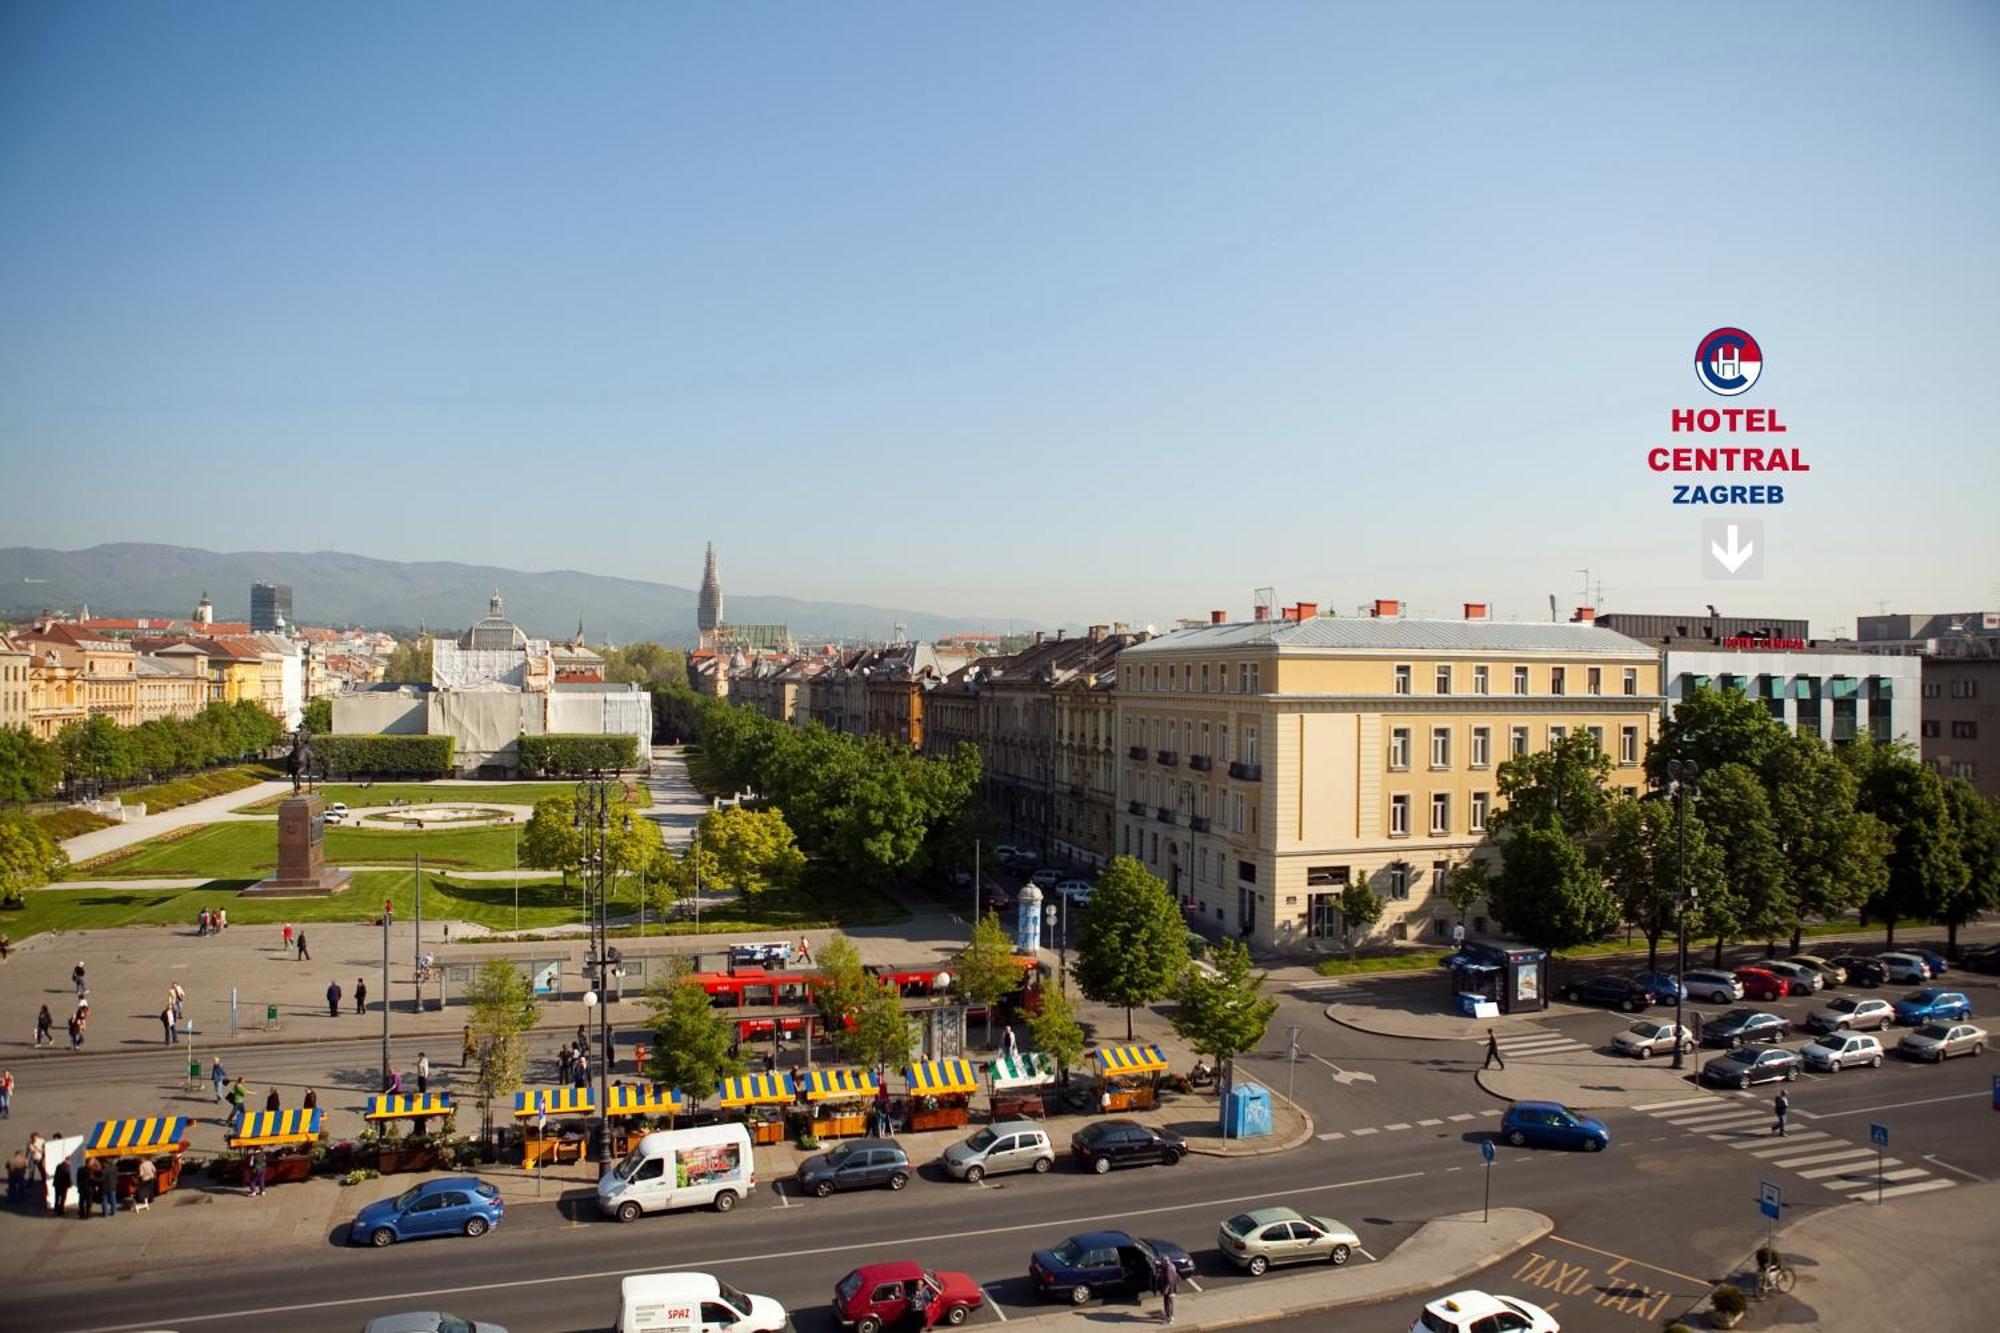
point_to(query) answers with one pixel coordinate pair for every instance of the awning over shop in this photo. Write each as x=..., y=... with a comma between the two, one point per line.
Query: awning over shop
x=137, y=1138
x=829, y=1085
x=531, y=1102
x=757, y=1090
x=280, y=1129
x=392, y=1106
x=647, y=1099
x=1027, y=1070
x=1122, y=1061
x=938, y=1078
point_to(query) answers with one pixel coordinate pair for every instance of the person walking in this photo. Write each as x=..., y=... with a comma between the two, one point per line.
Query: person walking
x=107, y=1188
x=1783, y=1106
x=1493, y=1056
x=238, y=1096
x=333, y=999
x=167, y=1025
x=218, y=1076
x=423, y=1073
x=805, y=950
x=149, y=1184
x=6, y=1094
x=300, y=940
x=582, y=1071
x=288, y=937
x=256, y=1172
x=468, y=1049
x=176, y=999
x=201, y=923
x=1008, y=1046
x=76, y=976
x=1169, y=1279
x=361, y=995
x=45, y=1023
x=75, y=1032
x=271, y=1102
x=222, y=920
x=562, y=1064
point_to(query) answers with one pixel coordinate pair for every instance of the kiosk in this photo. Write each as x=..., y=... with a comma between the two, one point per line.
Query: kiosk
x=1512, y=976
x=632, y=1100
x=541, y=1105
x=387, y=1109
x=124, y=1142
x=839, y=1101
x=1018, y=1081
x=1131, y=1076
x=762, y=1099
x=289, y=1136
x=939, y=1093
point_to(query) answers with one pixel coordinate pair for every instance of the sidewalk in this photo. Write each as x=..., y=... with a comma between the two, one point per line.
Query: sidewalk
x=98, y=842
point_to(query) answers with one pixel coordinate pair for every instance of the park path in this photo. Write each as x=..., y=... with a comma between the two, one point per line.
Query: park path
x=96, y=843
x=677, y=807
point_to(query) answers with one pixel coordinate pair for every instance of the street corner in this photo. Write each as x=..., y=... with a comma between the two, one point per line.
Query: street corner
x=1392, y=1021
x=1291, y=1127
x=1596, y=1083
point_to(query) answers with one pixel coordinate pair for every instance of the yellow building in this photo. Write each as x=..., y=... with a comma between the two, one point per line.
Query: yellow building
x=55, y=691
x=106, y=667
x=16, y=687
x=169, y=687
x=1264, y=766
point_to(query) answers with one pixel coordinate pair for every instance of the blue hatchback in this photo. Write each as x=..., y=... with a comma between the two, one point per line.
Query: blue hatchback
x=1552, y=1125
x=448, y=1206
x=1934, y=958
x=1932, y=1005
x=1664, y=985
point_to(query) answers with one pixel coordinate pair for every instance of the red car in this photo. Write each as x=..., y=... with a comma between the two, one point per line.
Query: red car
x=1761, y=985
x=876, y=1296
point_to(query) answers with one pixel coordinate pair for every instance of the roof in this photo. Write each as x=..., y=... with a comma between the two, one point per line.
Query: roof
x=893, y=1270
x=1262, y=1216
x=1373, y=634
x=1097, y=1240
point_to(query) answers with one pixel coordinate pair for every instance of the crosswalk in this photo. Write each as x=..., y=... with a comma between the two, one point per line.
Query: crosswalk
x=1824, y=1159
x=1534, y=1044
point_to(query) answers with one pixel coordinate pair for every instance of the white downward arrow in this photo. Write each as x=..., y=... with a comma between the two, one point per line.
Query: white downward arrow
x=1732, y=559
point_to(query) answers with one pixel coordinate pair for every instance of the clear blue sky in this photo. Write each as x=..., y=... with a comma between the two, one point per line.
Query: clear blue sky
x=1057, y=311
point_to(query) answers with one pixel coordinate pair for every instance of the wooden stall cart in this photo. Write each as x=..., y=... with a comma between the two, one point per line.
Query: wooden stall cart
x=762, y=1098
x=124, y=1142
x=391, y=1109
x=1131, y=1076
x=1018, y=1083
x=940, y=1092
x=630, y=1100
x=288, y=1136
x=534, y=1108
x=839, y=1099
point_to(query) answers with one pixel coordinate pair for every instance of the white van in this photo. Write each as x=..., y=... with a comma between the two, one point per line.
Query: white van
x=681, y=1168
x=693, y=1303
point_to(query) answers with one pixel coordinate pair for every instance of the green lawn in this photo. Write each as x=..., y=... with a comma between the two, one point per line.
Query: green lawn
x=249, y=850
x=425, y=793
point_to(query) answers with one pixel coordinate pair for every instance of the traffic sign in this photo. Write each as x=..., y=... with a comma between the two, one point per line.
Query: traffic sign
x=1770, y=1199
x=1486, y=1150
x=1996, y=1092
x=1458, y=934
x=1878, y=1135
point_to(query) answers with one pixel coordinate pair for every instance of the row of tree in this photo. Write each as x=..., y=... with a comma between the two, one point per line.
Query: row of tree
x=99, y=753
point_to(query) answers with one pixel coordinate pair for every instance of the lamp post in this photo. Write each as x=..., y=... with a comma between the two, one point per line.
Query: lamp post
x=1681, y=785
x=1062, y=939
x=593, y=820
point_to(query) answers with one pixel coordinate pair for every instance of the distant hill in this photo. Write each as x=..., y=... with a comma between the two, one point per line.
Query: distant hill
x=334, y=588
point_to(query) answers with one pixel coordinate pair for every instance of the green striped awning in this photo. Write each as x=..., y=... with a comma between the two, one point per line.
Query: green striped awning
x=137, y=1138
x=757, y=1090
x=387, y=1106
x=827, y=1085
x=647, y=1099
x=1027, y=1070
x=566, y=1100
x=1118, y=1061
x=279, y=1129
x=938, y=1078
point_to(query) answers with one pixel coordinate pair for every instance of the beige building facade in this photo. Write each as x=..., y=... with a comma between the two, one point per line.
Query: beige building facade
x=16, y=685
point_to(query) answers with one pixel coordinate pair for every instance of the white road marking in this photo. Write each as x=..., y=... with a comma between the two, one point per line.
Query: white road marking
x=778, y=1188
x=1850, y=1168
x=1467, y=1115
x=1362, y=1250
x=1428, y=1123
x=1360, y=1132
x=1769, y=1147
x=1921, y=1187
x=1651, y=1107
x=1489, y=1112
x=1938, y=1161
x=1192, y=1283
x=1401, y=1124
x=1330, y=1136
x=1848, y=1155
x=1897, y=1106
x=993, y=1304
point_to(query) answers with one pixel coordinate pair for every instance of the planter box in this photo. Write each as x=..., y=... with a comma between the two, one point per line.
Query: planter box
x=944, y=1117
x=393, y=1160
x=846, y=1124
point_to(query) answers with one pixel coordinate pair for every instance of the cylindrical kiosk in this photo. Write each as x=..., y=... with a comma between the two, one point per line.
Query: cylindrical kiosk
x=124, y=1142
x=1130, y=1076
x=839, y=1100
x=543, y=1141
x=762, y=1098
x=940, y=1092
x=1018, y=1082
x=415, y=1152
x=288, y=1136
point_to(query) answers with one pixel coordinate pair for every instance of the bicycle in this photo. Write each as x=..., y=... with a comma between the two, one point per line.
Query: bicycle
x=1774, y=1278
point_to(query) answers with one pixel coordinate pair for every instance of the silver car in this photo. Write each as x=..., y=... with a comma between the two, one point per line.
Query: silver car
x=1703, y=983
x=1265, y=1236
x=1852, y=1015
x=1011, y=1145
x=1940, y=1041
x=1837, y=1050
x=1649, y=1037
x=1904, y=967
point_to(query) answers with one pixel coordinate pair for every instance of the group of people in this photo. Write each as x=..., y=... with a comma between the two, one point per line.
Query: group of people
x=79, y=1020
x=211, y=921
x=295, y=943
x=170, y=1014
x=238, y=1096
x=333, y=995
x=95, y=1184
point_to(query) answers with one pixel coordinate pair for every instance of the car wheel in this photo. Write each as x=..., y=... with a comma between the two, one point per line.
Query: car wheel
x=1792, y=1074
x=1875, y=1063
x=1258, y=1265
x=628, y=1211
x=475, y=1226
x=1169, y=1158
x=868, y=1324
x=824, y=1188
x=1101, y=1165
x=1719, y=997
x=1042, y=1165
x=725, y=1201
x=898, y=1180
x=1338, y=1255
x=1645, y=1052
x=1518, y=1139
x=1593, y=1145
x=1978, y=1048
x=383, y=1238
x=1743, y=1083
x=1079, y=1295
x=975, y=1174
x=955, y=1315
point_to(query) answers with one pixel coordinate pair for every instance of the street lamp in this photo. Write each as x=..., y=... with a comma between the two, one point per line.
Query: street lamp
x=593, y=820
x=1681, y=786
x=1062, y=939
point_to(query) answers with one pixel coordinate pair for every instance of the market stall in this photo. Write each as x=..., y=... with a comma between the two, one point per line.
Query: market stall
x=940, y=1092
x=1018, y=1082
x=629, y=1101
x=534, y=1108
x=288, y=1137
x=762, y=1099
x=388, y=1110
x=1131, y=1076
x=124, y=1142
x=839, y=1101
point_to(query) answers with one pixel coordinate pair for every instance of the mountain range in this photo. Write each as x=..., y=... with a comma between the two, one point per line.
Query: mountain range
x=124, y=579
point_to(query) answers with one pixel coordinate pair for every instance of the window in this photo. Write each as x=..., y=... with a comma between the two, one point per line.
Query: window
x=1250, y=745
x=1440, y=812
x=1631, y=680
x=1222, y=686
x=1965, y=731
x=1399, y=816
x=1517, y=742
x=1482, y=747
x=1480, y=802
x=1593, y=680
x=1440, y=747
x=1399, y=747
x=1247, y=871
x=1443, y=678
x=1204, y=678
x=1479, y=680
x=1236, y=812
x=1597, y=734
x=1965, y=689
x=1399, y=880
x=1520, y=680
x=1205, y=751
x=1556, y=735
x=1628, y=746
x=1933, y=690
x=1557, y=678
x=1403, y=678
x=1932, y=728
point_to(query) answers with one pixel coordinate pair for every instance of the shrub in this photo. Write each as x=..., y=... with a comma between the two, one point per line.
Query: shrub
x=1728, y=1299
x=385, y=756
x=566, y=755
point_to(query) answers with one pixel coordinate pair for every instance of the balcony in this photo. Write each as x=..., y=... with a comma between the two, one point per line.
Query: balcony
x=1137, y=752
x=1200, y=763
x=1168, y=757
x=1135, y=807
x=1199, y=823
x=1243, y=772
x=1164, y=815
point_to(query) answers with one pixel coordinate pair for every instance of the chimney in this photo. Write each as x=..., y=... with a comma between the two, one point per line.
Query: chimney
x=1307, y=610
x=1120, y=628
x=1475, y=610
x=1585, y=615
x=1038, y=636
x=1218, y=617
x=1097, y=633
x=1059, y=635
x=1263, y=611
x=1386, y=606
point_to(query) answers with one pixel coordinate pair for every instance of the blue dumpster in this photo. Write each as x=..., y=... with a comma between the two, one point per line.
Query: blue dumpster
x=1246, y=1112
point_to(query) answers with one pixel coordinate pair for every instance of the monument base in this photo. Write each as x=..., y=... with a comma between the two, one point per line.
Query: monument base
x=331, y=880
x=302, y=868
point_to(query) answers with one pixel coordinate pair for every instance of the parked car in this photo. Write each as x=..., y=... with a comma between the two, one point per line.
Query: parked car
x=1835, y=1051
x=1981, y=958
x=1013, y=854
x=1714, y=986
x=768, y=954
x=1831, y=972
x=427, y=1321
x=693, y=1303
x=1045, y=878
x=1762, y=984
x=876, y=1296
x=1932, y=1004
x=1552, y=1125
x=1741, y=1026
x=1940, y=1041
x=1852, y=1015
x=1076, y=890
x=1932, y=959
x=1666, y=987
x=334, y=818
x=1616, y=992
x=447, y=1206
x=1649, y=1037
x=854, y=1165
x=1861, y=971
x=1479, y=1312
x=336, y=808
x=1804, y=980
x=1752, y=1064
x=995, y=898
x=1103, y=1144
x=1904, y=967
x=1011, y=1145
x=1103, y=1261
x=1257, y=1240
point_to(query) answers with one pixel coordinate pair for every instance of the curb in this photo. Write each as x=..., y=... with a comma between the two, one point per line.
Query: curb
x=1269, y=1149
x=1332, y=1017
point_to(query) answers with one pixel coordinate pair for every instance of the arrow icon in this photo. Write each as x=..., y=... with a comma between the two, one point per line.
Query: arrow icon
x=1733, y=558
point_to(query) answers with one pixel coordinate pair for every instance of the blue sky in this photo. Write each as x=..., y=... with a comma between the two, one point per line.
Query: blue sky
x=1068, y=312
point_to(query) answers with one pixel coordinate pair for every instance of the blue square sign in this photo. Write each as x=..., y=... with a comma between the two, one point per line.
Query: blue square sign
x=1878, y=1135
x=1770, y=1198
x=1486, y=1150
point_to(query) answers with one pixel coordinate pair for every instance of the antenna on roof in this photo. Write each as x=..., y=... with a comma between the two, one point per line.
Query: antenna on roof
x=1263, y=597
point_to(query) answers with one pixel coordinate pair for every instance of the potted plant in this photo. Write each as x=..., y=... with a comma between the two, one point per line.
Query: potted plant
x=1727, y=1304
x=808, y=1141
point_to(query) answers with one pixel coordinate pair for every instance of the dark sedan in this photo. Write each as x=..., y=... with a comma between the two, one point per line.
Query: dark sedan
x=1103, y=1144
x=1741, y=1026
x=1096, y=1262
x=1752, y=1064
x=859, y=1164
x=1860, y=971
x=1617, y=992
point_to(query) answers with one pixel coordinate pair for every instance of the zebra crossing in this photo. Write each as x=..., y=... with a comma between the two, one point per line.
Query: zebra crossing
x=1537, y=1044
x=1745, y=1123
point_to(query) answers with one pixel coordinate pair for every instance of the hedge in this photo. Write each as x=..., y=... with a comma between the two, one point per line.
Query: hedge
x=384, y=756
x=565, y=755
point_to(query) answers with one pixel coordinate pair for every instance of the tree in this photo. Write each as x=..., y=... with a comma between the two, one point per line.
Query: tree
x=647, y=664
x=504, y=1010
x=551, y=840
x=1712, y=728
x=1465, y=884
x=1562, y=787
x=318, y=716
x=410, y=663
x=29, y=858
x=750, y=850
x=882, y=1034
x=1360, y=908
x=1924, y=863
x=843, y=984
x=1222, y=1010
x=1977, y=819
x=1133, y=946
x=1056, y=1032
x=30, y=768
x=987, y=971
x=1753, y=896
x=693, y=1042
x=1653, y=855
x=1548, y=893
x=1835, y=855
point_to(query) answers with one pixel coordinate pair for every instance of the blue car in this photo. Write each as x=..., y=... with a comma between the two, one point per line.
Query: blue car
x=1552, y=1125
x=1096, y=1262
x=448, y=1206
x=1666, y=987
x=1935, y=959
x=1932, y=1005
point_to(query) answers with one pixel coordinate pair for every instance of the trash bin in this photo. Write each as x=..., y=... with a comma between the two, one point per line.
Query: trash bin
x=1246, y=1112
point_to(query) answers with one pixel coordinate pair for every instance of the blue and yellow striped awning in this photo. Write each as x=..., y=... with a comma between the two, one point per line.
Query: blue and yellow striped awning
x=389, y=1106
x=279, y=1129
x=566, y=1100
x=829, y=1085
x=137, y=1138
x=647, y=1099
x=1120, y=1061
x=757, y=1090
x=938, y=1078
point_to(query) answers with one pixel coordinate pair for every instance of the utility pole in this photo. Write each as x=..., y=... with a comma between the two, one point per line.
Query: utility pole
x=387, y=920
x=1681, y=774
x=417, y=946
x=975, y=884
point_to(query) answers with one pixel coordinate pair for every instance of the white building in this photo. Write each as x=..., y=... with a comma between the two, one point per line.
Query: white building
x=1833, y=695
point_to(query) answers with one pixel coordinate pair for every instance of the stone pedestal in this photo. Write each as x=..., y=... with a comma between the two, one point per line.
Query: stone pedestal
x=302, y=868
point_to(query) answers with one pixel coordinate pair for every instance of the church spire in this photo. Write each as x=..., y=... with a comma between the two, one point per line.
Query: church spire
x=708, y=610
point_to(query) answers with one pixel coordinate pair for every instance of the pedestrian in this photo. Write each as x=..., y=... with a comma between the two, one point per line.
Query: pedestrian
x=1170, y=1282
x=222, y=918
x=256, y=1172
x=177, y=998
x=1783, y=1106
x=582, y=1071
x=1493, y=1056
x=38, y=1170
x=333, y=999
x=6, y=1094
x=393, y=1085
x=201, y=923
x=468, y=1049
x=76, y=976
x=107, y=1187
x=75, y=1033
x=300, y=940
x=238, y=1095
x=881, y=1111
x=582, y=1040
x=167, y=1025
x=923, y=1303
x=610, y=1050
x=271, y=1102
x=310, y=1100
x=217, y=1075
x=59, y=1186
x=360, y=995
x=149, y=1183
x=1008, y=1045
x=562, y=1064
x=288, y=937
x=805, y=950
x=423, y=1073
x=17, y=1176
x=86, y=1190
x=44, y=1028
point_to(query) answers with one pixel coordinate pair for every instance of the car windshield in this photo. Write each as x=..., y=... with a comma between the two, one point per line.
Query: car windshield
x=486, y=1191
x=1844, y=1006
x=626, y=1169
x=1919, y=997
x=1067, y=1253
x=1832, y=1041
x=840, y=1154
x=408, y=1197
x=451, y=1323
x=1738, y=1016
x=733, y=1296
x=981, y=1141
x=1743, y=1055
x=1934, y=1031
x=848, y=1287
